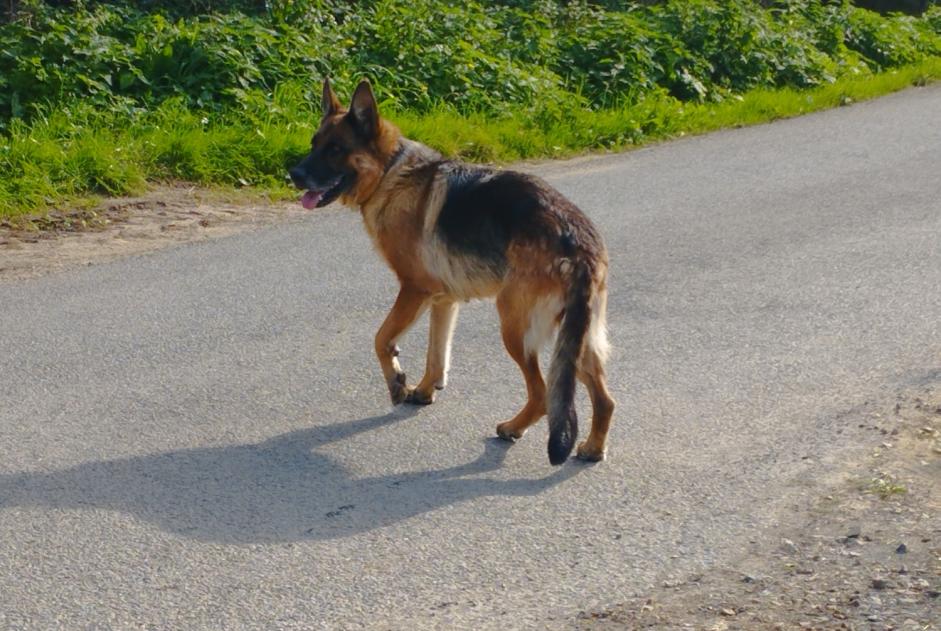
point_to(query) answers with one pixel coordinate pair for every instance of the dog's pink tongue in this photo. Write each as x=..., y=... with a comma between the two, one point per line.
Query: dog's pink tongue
x=310, y=199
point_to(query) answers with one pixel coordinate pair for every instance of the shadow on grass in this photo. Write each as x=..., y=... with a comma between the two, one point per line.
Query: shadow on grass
x=278, y=490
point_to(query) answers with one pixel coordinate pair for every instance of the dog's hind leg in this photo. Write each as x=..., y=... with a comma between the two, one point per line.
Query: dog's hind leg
x=526, y=325
x=409, y=304
x=443, y=318
x=590, y=371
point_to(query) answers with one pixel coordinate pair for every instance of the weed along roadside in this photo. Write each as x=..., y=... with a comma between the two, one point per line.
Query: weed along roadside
x=109, y=99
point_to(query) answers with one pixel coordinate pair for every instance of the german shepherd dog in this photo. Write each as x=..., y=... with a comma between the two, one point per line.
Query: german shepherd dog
x=452, y=232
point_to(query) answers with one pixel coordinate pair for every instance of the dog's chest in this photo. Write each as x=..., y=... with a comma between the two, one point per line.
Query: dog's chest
x=398, y=237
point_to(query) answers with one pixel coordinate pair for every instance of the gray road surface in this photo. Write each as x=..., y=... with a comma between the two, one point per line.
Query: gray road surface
x=200, y=438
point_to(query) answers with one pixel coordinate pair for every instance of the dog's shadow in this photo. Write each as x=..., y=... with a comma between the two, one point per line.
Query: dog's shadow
x=279, y=490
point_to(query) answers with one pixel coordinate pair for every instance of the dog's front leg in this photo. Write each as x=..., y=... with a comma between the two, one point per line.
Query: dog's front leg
x=409, y=304
x=443, y=319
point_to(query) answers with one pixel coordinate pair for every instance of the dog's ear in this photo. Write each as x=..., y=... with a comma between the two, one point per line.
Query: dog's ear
x=363, y=110
x=329, y=103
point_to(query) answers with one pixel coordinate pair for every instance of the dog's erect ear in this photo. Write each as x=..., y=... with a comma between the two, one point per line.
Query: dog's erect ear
x=364, y=111
x=330, y=103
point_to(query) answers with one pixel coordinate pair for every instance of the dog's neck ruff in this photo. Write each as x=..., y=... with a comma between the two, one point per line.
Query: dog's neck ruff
x=395, y=157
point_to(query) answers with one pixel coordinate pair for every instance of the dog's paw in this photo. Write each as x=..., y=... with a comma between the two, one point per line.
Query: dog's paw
x=417, y=397
x=398, y=391
x=507, y=431
x=589, y=452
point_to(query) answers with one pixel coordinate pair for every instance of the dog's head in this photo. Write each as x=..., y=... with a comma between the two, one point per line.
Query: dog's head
x=349, y=152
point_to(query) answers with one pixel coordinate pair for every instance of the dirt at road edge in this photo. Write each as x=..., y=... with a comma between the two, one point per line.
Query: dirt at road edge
x=861, y=550
x=169, y=215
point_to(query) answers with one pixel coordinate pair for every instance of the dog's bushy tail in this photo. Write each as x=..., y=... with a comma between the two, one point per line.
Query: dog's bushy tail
x=563, y=421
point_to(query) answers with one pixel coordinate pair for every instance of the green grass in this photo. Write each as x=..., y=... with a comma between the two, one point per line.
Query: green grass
x=107, y=98
x=886, y=487
x=655, y=118
x=69, y=155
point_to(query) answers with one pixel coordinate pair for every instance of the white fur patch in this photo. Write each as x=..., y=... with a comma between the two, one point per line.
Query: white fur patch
x=597, y=338
x=542, y=323
x=434, y=204
x=440, y=344
x=464, y=277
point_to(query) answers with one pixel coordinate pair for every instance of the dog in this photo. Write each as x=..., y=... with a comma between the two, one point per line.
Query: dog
x=452, y=232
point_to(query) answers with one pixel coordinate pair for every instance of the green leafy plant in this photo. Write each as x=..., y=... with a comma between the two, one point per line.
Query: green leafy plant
x=101, y=97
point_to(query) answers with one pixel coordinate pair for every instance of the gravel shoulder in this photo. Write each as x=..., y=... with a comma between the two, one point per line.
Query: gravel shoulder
x=858, y=550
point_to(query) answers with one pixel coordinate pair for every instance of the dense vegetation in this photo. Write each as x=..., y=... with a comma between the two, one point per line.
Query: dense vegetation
x=103, y=96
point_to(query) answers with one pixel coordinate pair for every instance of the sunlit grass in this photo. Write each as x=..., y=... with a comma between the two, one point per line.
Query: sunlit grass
x=77, y=152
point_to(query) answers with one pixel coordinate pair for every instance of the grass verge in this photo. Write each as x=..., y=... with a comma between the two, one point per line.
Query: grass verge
x=517, y=136
x=68, y=156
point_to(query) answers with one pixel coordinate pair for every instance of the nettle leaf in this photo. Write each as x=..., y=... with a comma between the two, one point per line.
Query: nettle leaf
x=422, y=54
x=125, y=80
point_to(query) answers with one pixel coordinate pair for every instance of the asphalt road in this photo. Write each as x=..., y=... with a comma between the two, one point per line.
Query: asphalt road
x=200, y=438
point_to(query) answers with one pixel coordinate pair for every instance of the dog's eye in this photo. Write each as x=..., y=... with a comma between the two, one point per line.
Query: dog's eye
x=333, y=149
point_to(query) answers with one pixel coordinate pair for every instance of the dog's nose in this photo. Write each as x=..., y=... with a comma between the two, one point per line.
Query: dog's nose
x=296, y=175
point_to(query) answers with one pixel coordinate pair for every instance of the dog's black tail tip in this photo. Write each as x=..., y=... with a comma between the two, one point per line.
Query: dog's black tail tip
x=559, y=449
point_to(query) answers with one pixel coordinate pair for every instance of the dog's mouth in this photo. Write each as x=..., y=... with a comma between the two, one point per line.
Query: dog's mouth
x=321, y=196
